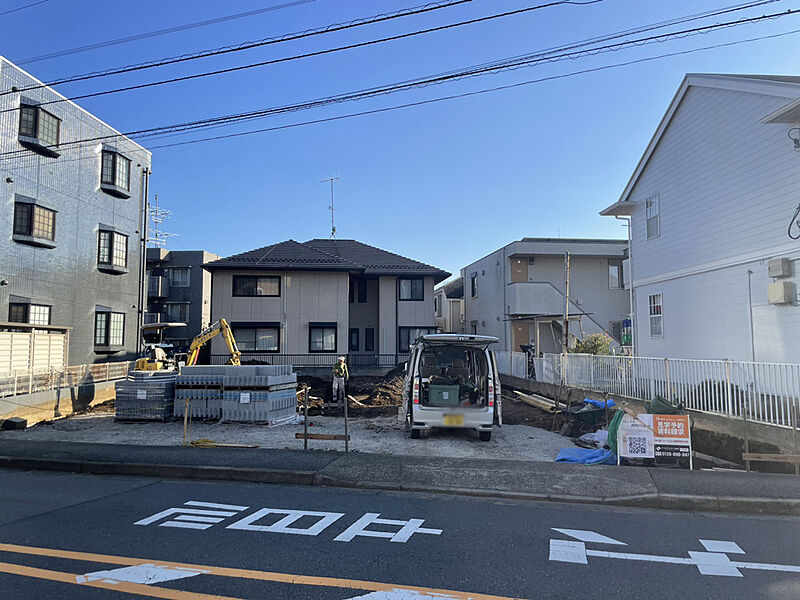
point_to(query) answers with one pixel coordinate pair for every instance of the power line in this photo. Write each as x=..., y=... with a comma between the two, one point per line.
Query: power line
x=477, y=92
x=466, y=94
x=529, y=60
x=8, y=12
x=159, y=32
x=248, y=45
x=309, y=54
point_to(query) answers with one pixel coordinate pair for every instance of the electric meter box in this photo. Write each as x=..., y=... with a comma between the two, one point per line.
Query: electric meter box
x=779, y=267
x=781, y=292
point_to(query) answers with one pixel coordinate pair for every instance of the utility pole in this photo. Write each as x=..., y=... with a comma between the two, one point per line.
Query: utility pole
x=332, y=181
x=565, y=345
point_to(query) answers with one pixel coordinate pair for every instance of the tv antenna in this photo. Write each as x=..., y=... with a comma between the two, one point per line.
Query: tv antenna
x=332, y=181
x=158, y=237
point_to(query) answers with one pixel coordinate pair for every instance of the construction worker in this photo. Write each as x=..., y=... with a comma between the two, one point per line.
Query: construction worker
x=340, y=376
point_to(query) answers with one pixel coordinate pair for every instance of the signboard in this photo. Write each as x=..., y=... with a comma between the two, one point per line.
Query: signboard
x=654, y=436
x=244, y=398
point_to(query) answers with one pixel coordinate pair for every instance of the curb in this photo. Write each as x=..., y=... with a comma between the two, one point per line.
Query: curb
x=687, y=502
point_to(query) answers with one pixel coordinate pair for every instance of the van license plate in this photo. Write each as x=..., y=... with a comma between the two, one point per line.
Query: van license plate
x=454, y=420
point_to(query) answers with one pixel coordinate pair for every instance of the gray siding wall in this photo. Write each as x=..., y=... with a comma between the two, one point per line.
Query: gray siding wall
x=728, y=185
x=67, y=276
x=486, y=310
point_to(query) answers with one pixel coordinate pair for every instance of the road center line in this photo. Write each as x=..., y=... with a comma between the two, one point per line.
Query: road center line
x=356, y=584
x=138, y=589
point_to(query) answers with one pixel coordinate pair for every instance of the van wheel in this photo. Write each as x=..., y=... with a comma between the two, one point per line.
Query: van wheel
x=415, y=434
x=485, y=436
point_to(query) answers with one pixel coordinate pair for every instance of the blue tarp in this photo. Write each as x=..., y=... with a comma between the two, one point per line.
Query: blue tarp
x=586, y=456
x=599, y=403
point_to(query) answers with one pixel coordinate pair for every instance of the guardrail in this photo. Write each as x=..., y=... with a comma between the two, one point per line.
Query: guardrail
x=762, y=392
x=40, y=380
x=313, y=360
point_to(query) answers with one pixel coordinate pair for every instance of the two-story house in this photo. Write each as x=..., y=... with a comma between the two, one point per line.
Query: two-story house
x=72, y=216
x=711, y=204
x=516, y=293
x=322, y=298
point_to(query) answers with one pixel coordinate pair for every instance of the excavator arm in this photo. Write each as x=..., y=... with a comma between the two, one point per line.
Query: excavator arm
x=221, y=327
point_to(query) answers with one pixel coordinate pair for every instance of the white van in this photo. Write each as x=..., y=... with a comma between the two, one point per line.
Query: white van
x=451, y=380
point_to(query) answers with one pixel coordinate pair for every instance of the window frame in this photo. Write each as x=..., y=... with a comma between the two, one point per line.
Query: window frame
x=256, y=327
x=411, y=297
x=112, y=183
x=234, y=286
x=615, y=263
x=473, y=285
x=334, y=326
x=369, y=339
x=655, y=312
x=107, y=318
x=37, y=142
x=185, y=304
x=652, y=202
x=26, y=308
x=111, y=263
x=171, y=277
x=431, y=329
x=354, y=336
x=29, y=232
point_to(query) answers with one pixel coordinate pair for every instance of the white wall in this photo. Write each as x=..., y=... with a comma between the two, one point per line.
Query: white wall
x=728, y=185
x=487, y=308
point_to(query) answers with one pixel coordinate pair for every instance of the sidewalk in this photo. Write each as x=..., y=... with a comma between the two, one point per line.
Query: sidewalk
x=606, y=485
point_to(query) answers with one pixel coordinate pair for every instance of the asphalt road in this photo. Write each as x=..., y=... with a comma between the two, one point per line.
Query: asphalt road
x=66, y=536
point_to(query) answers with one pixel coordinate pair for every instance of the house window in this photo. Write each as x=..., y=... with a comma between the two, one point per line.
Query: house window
x=179, y=277
x=178, y=311
x=39, y=128
x=616, y=330
x=358, y=290
x=369, y=339
x=615, y=275
x=151, y=317
x=34, y=314
x=112, y=249
x=437, y=306
x=653, y=222
x=250, y=285
x=354, y=341
x=407, y=335
x=34, y=221
x=656, y=316
x=412, y=289
x=116, y=170
x=109, y=328
x=473, y=285
x=258, y=339
x=322, y=337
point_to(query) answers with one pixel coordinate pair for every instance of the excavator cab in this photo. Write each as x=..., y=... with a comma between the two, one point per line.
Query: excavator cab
x=157, y=355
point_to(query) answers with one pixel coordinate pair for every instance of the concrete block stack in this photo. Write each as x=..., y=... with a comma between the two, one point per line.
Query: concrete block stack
x=243, y=394
x=145, y=396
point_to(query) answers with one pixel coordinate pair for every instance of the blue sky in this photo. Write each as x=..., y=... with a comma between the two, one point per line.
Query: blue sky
x=444, y=183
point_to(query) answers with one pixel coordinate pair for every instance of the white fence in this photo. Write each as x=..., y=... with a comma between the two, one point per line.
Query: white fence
x=38, y=380
x=512, y=363
x=763, y=392
x=20, y=350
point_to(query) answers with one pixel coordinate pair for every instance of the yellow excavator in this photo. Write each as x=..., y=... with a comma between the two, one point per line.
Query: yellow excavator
x=158, y=360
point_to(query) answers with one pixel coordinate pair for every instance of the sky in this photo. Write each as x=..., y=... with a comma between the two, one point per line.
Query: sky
x=444, y=183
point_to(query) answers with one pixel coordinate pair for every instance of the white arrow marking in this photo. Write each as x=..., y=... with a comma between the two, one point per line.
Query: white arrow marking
x=720, y=546
x=402, y=595
x=589, y=536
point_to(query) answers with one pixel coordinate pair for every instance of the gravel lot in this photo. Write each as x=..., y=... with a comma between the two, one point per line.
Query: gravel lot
x=383, y=434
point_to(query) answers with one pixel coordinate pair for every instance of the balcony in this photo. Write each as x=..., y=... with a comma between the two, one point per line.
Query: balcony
x=534, y=298
x=158, y=287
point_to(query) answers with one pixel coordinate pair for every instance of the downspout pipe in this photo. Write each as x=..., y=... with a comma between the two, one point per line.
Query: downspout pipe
x=144, y=210
x=631, y=314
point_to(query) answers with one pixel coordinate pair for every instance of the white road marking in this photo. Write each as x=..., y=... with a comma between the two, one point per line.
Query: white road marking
x=407, y=529
x=589, y=536
x=215, y=505
x=721, y=546
x=147, y=574
x=568, y=551
x=186, y=511
x=196, y=519
x=714, y=563
x=283, y=525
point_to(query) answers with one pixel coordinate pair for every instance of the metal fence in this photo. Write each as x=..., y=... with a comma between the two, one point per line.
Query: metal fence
x=313, y=360
x=762, y=392
x=512, y=363
x=40, y=380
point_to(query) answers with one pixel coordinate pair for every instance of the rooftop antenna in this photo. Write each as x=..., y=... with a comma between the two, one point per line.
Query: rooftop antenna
x=158, y=237
x=332, y=181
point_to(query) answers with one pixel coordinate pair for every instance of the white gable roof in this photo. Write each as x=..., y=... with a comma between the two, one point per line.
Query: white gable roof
x=781, y=86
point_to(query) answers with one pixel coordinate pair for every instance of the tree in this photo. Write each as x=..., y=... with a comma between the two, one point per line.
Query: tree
x=597, y=343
